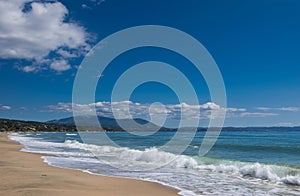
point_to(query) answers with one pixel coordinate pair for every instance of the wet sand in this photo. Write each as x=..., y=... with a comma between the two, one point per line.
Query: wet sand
x=26, y=174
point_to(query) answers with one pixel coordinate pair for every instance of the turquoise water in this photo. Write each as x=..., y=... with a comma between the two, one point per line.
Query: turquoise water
x=240, y=163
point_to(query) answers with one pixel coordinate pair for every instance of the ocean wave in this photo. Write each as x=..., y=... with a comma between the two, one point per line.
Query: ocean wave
x=150, y=157
x=292, y=148
x=274, y=173
x=29, y=142
x=153, y=156
x=127, y=156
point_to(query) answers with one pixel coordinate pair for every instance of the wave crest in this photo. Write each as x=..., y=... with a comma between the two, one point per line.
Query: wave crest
x=152, y=156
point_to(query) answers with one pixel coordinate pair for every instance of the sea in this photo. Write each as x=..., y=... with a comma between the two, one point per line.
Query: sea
x=240, y=162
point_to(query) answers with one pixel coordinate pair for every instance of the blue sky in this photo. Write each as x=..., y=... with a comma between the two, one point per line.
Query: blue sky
x=256, y=45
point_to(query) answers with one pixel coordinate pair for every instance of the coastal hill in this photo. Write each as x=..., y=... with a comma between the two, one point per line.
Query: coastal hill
x=7, y=125
x=110, y=125
x=68, y=125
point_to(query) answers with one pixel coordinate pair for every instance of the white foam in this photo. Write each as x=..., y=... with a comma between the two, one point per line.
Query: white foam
x=149, y=156
x=71, y=134
x=32, y=142
x=187, y=193
x=184, y=171
x=272, y=173
x=294, y=180
x=152, y=156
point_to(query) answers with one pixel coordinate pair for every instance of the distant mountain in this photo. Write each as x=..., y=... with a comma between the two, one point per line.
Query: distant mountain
x=66, y=121
x=109, y=124
x=87, y=123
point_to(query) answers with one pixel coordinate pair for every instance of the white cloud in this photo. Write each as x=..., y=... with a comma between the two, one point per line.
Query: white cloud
x=28, y=68
x=66, y=54
x=290, y=109
x=5, y=107
x=211, y=106
x=138, y=110
x=60, y=65
x=90, y=3
x=257, y=114
x=236, y=109
x=31, y=30
x=263, y=108
x=85, y=6
x=63, y=107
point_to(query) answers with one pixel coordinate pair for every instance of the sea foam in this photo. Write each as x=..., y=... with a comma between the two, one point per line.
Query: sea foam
x=192, y=174
x=153, y=156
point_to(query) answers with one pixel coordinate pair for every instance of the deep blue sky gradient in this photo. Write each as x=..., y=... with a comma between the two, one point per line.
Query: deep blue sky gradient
x=256, y=45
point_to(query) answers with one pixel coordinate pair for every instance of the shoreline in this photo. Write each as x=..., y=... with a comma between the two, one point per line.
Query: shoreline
x=25, y=173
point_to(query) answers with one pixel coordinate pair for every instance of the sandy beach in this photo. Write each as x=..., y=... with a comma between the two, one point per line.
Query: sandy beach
x=26, y=174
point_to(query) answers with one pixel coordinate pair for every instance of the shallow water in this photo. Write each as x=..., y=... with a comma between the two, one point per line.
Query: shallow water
x=243, y=163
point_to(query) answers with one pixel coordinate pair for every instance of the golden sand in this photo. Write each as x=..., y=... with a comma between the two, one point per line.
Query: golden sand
x=26, y=174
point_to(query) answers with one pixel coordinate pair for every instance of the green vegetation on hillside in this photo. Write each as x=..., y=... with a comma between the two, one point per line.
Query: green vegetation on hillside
x=7, y=125
x=30, y=126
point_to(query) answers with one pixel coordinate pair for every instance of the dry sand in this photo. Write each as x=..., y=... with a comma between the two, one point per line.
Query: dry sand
x=26, y=174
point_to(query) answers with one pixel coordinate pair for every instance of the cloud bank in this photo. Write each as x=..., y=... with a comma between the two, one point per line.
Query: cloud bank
x=158, y=113
x=171, y=111
x=34, y=30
